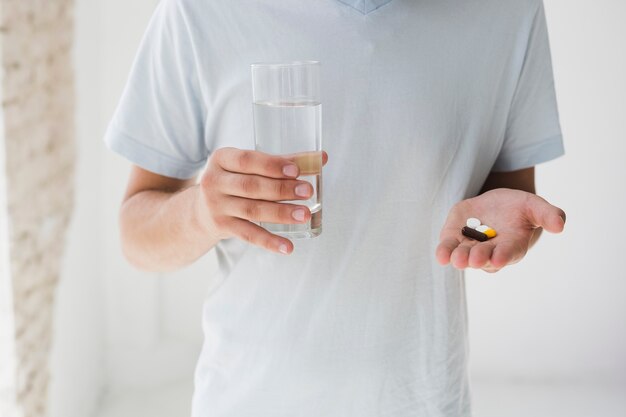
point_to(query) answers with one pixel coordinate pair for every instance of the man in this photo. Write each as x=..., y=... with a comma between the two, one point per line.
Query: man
x=434, y=112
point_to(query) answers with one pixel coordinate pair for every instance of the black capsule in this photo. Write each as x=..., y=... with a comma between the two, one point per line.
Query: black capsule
x=474, y=234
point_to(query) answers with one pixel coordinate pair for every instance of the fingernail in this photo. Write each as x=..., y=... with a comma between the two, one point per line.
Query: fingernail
x=283, y=249
x=298, y=215
x=302, y=190
x=290, y=170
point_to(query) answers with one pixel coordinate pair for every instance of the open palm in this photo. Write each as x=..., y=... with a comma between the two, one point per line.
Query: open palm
x=515, y=215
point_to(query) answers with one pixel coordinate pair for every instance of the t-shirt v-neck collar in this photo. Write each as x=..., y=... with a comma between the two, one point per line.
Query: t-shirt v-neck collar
x=365, y=6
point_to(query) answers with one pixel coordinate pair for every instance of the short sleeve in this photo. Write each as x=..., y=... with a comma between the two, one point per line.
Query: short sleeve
x=533, y=133
x=159, y=121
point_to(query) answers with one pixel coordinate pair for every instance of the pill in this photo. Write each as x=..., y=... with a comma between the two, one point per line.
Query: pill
x=483, y=228
x=474, y=234
x=473, y=223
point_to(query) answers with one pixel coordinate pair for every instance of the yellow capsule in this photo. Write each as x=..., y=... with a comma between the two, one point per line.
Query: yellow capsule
x=490, y=233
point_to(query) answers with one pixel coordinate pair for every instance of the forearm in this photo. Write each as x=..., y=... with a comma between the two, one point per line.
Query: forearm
x=161, y=230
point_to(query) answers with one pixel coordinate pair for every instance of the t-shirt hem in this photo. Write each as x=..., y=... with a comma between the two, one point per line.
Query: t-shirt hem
x=529, y=156
x=149, y=158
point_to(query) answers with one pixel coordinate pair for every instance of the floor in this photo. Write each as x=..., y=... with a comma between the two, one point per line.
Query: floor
x=549, y=400
x=168, y=401
x=490, y=400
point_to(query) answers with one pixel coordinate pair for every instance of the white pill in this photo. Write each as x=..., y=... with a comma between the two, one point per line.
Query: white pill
x=473, y=223
x=482, y=228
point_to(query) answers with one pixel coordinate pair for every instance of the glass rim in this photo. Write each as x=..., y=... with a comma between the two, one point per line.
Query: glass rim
x=283, y=64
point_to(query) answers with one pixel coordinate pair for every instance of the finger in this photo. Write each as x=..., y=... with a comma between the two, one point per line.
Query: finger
x=324, y=158
x=266, y=211
x=460, y=255
x=545, y=215
x=488, y=267
x=444, y=250
x=480, y=254
x=506, y=253
x=262, y=188
x=255, y=162
x=256, y=235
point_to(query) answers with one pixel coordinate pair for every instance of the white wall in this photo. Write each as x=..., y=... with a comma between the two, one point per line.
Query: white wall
x=77, y=362
x=561, y=313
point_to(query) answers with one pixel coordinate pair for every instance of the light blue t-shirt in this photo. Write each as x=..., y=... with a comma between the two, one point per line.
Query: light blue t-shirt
x=422, y=99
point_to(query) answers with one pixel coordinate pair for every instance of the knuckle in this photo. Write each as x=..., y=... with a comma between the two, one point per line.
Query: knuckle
x=251, y=211
x=212, y=201
x=269, y=165
x=268, y=242
x=247, y=236
x=249, y=185
x=218, y=154
x=205, y=181
x=283, y=189
x=283, y=213
x=208, y=180
x=244, y=160
x=220, y=222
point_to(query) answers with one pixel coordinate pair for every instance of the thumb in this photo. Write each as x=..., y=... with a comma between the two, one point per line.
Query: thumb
x=543, y=214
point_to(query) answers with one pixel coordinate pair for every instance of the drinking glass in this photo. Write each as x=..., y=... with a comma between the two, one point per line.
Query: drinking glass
x=288, y=121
